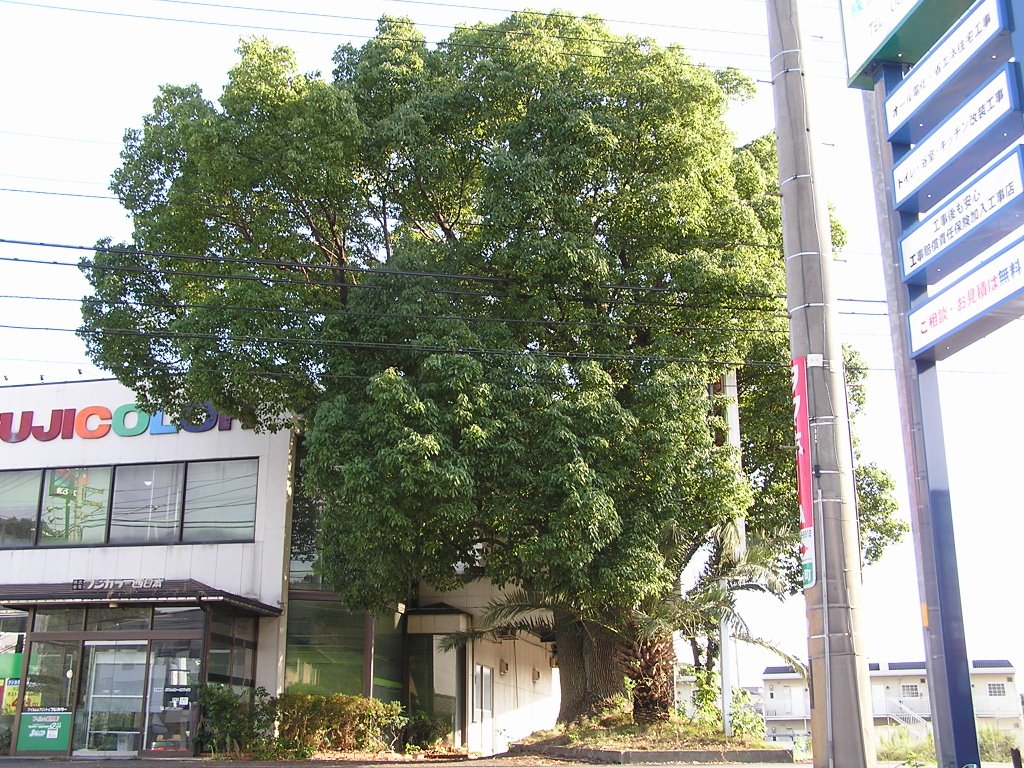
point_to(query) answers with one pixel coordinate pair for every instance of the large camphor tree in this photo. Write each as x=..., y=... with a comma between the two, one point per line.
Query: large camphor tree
x=490, y=282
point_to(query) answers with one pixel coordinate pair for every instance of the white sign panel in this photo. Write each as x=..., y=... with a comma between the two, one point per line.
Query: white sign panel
x=979, y=113
x=962, y=214
x=867, y=24
x=967, y=299
x=964, y=40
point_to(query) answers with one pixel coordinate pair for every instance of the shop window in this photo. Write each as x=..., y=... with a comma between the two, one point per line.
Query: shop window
x=75, y=502
x=177, y=618
x=147, y=503
x=120, y=619
x=58, y=620
x=13, y=625
x=19, y=502
x=325, y=648
x=173, y=711
x=220, y=501
x=387, y=657
x=232, y=656
x=203, y=501
x=50, y=684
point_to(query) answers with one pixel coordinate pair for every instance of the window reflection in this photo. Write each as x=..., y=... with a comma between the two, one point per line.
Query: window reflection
x=75, y=501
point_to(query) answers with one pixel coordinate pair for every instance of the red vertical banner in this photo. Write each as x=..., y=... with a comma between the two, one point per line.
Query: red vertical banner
x=802, y=431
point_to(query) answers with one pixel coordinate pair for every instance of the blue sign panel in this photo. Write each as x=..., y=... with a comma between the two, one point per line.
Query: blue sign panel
x=984, y=125
x=967, y=54
x=981, y=301
x=981, y=212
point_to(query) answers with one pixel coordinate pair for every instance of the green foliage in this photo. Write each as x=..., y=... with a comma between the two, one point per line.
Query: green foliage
x=901, y=747
x=424, y=730
x=995, y=745
x=746, y=721
x=232, y=722
x=707, y=697
x=312, y=724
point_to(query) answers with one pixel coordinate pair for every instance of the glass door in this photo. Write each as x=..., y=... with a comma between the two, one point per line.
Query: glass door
x=172, y=712
x=108, y=718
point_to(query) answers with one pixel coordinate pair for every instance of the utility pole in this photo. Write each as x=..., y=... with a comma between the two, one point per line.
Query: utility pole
x=841, y=722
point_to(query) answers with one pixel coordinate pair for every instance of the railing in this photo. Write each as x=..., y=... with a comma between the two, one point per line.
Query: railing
x=1003, y=706
x=787, y=713
x=897, y=709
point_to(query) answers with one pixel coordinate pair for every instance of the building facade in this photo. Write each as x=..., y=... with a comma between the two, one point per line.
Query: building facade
x=899, y=700
x=139, y=560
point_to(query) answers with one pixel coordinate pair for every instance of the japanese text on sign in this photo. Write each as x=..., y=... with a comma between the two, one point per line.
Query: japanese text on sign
x=962, y=213
x=965, y=125
x=929, y=75
x=972, y=295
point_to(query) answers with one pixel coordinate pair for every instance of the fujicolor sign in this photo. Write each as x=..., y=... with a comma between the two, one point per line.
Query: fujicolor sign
x=96, y=421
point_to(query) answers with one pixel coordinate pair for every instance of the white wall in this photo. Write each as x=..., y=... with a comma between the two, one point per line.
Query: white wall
x=522, y=704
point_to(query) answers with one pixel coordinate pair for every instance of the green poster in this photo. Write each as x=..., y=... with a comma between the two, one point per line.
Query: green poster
x=44, y=732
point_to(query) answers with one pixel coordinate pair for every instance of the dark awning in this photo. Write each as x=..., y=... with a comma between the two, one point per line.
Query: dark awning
x=128, y=591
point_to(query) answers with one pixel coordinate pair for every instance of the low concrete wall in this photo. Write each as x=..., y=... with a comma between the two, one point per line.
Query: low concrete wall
x=639, y=756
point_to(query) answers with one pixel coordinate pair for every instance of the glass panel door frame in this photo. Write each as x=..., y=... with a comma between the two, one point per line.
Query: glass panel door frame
x=110, y=700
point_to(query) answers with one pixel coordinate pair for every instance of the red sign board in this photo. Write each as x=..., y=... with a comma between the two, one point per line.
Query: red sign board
x=802, y=430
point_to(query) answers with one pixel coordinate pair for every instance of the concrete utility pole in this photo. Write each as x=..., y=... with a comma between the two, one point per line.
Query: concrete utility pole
x=841, y=721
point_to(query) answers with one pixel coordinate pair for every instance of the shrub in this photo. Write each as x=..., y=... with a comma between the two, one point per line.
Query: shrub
x=232, y=722
x=423, y=730
x=900, y=747
x=995, y=745
x=341, y=723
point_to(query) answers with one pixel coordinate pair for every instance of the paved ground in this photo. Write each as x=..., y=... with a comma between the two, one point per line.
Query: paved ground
x=517, y=762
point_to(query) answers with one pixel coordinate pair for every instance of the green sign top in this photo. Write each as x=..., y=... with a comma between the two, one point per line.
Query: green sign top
x=899, y=31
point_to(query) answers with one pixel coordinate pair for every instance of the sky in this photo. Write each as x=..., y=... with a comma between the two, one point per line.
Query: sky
x=78, y=73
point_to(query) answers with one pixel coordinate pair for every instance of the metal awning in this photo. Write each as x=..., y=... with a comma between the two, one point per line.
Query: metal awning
x=129, y=592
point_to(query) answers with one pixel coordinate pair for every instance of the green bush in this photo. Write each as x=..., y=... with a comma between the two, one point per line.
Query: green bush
x=995, y=745
x=900, y=747
x=231, y=722
x=312, y=723
x=424, y=730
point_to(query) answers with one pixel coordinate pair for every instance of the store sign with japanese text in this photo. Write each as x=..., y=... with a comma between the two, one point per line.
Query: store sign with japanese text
x=987, y=208
x=44, y=730
x=986, y=124
x=970, y=51
x=947, y=319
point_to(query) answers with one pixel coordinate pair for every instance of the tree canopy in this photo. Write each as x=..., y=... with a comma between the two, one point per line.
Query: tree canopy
x=491, y=281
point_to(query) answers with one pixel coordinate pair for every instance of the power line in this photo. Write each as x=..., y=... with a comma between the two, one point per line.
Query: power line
x=500, y=281
x=404, y=347
x=57, y=194
x=265, y=28
x=58, y=138
x=543, y=322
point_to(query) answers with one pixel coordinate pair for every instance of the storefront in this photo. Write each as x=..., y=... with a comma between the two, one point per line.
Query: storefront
x=139, y=561
x=116, y=672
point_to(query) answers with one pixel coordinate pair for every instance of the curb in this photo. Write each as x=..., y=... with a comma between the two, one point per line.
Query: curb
x=639, y=756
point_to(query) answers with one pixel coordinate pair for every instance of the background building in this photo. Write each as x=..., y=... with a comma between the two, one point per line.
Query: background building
x=899, y=700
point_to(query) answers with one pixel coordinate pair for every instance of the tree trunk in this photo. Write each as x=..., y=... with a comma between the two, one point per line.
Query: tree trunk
x=651, y=667
x=588, y=676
